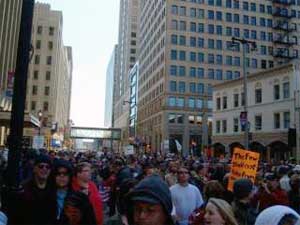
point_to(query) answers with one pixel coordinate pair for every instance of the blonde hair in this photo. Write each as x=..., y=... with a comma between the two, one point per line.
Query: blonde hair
x=225, y=210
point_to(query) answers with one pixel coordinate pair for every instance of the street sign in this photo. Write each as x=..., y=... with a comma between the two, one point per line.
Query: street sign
x=243, y=118
x=128, y=150
x=38, y=142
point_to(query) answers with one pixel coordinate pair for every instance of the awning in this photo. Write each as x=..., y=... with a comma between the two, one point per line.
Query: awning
x=30, y=121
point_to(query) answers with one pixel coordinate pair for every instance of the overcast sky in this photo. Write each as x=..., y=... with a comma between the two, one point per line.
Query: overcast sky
x=91, y=28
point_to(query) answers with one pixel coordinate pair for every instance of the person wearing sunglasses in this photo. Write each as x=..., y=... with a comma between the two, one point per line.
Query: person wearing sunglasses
x=35, y=201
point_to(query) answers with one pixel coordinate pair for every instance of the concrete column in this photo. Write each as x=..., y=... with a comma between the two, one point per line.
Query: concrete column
x=186, y=137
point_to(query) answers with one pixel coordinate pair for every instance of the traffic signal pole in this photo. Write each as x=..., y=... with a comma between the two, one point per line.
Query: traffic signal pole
x=19, y=95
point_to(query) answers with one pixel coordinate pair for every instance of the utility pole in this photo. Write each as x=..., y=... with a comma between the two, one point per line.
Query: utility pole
x=245, y=43
x=19, y=95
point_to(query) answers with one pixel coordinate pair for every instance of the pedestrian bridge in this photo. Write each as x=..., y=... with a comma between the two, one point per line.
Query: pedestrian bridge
x=95, y=133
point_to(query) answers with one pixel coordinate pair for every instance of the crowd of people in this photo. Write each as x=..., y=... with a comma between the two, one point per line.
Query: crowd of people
x=94, y=189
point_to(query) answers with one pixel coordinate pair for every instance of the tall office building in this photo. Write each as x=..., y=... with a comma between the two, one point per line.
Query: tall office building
x=185, y=47
x=110, y=86
x=127, y=56
x=50, y=71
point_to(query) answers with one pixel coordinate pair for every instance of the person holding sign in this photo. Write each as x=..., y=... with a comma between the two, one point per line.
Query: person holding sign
x=270, y=193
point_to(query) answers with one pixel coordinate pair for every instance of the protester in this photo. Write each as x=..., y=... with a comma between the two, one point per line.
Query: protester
x=214, y=189
x=171, y=176
x=243, y=211
x=219, y=212
x=82, y=182
x=284, y=178
x=278, y=215
x=150, y=203
x=185, y=197
x=294, y=193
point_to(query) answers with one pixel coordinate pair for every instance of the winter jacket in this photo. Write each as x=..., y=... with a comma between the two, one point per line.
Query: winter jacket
x=244, y=213
x=94, y=199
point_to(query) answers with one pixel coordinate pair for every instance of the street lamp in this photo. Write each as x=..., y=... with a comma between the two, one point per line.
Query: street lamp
x=40, y=115
x=245, y=43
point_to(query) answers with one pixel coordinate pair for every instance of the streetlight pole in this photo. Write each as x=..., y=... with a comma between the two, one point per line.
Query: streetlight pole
x=245, y=43
x=19, y=95
x=40, y=115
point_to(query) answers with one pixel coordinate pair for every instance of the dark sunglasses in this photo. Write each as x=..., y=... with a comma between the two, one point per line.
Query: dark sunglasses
x=43, y=166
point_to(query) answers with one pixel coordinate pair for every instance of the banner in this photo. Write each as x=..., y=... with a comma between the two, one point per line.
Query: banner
x=38, y=142
x=244, y=164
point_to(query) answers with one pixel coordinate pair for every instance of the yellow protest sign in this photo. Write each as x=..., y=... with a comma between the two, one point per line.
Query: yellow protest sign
x=244, y=164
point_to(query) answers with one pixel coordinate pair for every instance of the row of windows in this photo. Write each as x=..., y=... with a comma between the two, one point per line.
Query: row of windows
x=36, y=75
x=34, y=108
x=239, y=101
x=180, y=87
x=38, y=44
x=179, y=119
x=258, y=123
x=35, y=90
x=37, y=60
x=193, y=103
x=219, y=30
x=200, y=73
x=40, y=30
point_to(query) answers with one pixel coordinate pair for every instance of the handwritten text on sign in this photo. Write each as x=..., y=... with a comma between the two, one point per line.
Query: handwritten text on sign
x=244, y=165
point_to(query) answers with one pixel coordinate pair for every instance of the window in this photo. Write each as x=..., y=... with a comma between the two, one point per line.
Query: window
x=173, y=54
x=200, y=88
x=219, y=59
x=276, y=92
x=192, y=72
x=193, y=56
x=269, y=9
x=236, y=32
x=277, y=120
x=219, y=74
x=174, y=24
x=193, y=87
x=211, y=43
x=34, y=90
x=253, y=7
x=181, y=87
x=219, y=45
x=174, y=40
x=211, y=74
x=199, y=103
x=182, y=71
x=180, y=102
x=235, y=125
x=38, y=44
x=40, y=30
x=262, y=8
x=210, y=2
x=51, y=31
x=236, y=18
x=173, y=86
x=209, y=90
x=237, y=74
x=246, y=33
x=172, y=118
x=254, y=63
x=201, y=42
x=191, y=103
x=182, y=25
x=36, y=75
x=262, y=22
x=192, y=41
x=258, y=95
x=253, y=34
x=228, y=31
x=48, y=75
x=228, y=3
x=193, y=12
x=182, y=40
x=218, y=2
x=180, y=118
x=219, y=16
x=219, y=30
x=45, y=106
x=263, y=50
x=191, y=119
x=211, y=28
x=228, y=17
x=200, y=28
x=37, y=59
x=33, y=106
x=50, y=45
x=253, y=21
x=246, y=19
x=258, y=122
x=193, y=27
x=200, y=57
x=286, y=120
x=224, y=102
x=224, y=123
x=49, y=60
x=200, y=73
x=201, y=13
x=270, y=23
x=263, y=35
x=236, y=100
x=286, y=90
x=210, y=14
x=218, y=126
x=182, y=11
x=245, y=6
x=236, y=61
x=263, y=64
x=211, y=58
x=47, y=91
x=228, y=60
x=228, y=75
x=218, y=106
x=172, y=101
x=182, y=55
x=236, y=4
x=173, y=70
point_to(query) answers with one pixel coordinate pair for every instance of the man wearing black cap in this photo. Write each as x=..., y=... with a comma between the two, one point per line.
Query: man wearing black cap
x=244, y=213
x=36, y=205
x=150, y=203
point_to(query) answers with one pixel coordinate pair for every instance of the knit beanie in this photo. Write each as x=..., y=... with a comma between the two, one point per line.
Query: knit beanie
x=242, y=188
x=225, y=210
x=274, y=214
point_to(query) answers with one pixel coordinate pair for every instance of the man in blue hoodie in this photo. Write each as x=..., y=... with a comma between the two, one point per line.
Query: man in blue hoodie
x=150, y=203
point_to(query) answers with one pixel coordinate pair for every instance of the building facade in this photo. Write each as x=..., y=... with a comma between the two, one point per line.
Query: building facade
x=50, y=73
x=271, y=111
x=110, y=86
x=127, y=57
x=186, y=48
